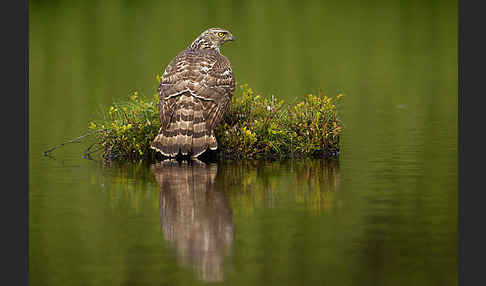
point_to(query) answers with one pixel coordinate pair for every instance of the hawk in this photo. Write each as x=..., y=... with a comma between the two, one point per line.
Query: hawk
x=194, y=93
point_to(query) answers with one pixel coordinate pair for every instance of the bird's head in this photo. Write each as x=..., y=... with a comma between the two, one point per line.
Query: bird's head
x=212, y=38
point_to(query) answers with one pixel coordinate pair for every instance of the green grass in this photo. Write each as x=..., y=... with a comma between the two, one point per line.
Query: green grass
x=255, y=126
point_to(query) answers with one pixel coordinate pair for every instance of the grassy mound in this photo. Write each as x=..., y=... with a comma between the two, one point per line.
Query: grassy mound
x=255, y=126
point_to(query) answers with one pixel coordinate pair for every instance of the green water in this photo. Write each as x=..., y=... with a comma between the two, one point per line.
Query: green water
x=384, y=213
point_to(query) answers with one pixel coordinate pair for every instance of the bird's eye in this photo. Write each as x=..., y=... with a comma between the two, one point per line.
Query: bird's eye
x=221, y=34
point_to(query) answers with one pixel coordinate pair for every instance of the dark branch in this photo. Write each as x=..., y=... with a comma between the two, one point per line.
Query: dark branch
x=75, y=140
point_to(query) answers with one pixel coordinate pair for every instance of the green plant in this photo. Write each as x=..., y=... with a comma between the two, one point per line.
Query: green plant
x=255, y=126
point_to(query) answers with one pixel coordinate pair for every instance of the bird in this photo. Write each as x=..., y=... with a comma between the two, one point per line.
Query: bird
x=194, y=93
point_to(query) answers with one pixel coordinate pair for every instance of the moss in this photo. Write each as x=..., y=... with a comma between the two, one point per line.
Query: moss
x=259, y=126
x=255, y=126
x=128, y=128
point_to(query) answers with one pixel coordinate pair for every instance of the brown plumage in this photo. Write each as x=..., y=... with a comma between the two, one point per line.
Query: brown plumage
x=194, y=93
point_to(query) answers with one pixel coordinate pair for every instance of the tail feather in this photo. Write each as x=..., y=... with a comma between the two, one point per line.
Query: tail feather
x=187, y=131
x=213, y=144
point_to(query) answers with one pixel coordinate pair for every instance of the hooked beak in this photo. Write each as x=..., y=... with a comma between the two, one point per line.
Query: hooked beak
x=232, y=38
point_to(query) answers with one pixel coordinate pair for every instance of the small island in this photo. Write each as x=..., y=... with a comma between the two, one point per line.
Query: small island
x=254, y=127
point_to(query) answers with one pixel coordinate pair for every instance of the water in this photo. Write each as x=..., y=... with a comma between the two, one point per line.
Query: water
x=384, y=213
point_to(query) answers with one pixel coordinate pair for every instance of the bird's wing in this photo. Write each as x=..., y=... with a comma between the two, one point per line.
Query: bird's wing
x=218, y=89
x=171, y=85
x=207, y=75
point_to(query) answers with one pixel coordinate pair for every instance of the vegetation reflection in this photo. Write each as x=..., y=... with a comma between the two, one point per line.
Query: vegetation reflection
x=199, y=204
x=311, y=183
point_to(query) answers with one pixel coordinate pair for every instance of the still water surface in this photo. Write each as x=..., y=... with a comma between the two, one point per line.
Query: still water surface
x=383, y=213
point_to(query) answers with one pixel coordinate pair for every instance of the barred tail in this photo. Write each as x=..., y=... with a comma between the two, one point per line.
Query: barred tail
x=187, y=131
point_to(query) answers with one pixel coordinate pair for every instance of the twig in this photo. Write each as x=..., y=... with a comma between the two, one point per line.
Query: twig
x=87, y=153
x=88, y=157
x=75, y=140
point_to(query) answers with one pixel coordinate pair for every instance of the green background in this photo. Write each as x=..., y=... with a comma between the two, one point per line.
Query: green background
x=385, y=214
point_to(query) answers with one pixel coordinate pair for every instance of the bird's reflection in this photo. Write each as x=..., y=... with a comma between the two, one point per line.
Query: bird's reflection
x=196, y=217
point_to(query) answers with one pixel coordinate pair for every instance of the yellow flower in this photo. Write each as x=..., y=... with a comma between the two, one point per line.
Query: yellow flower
x=112, y=110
